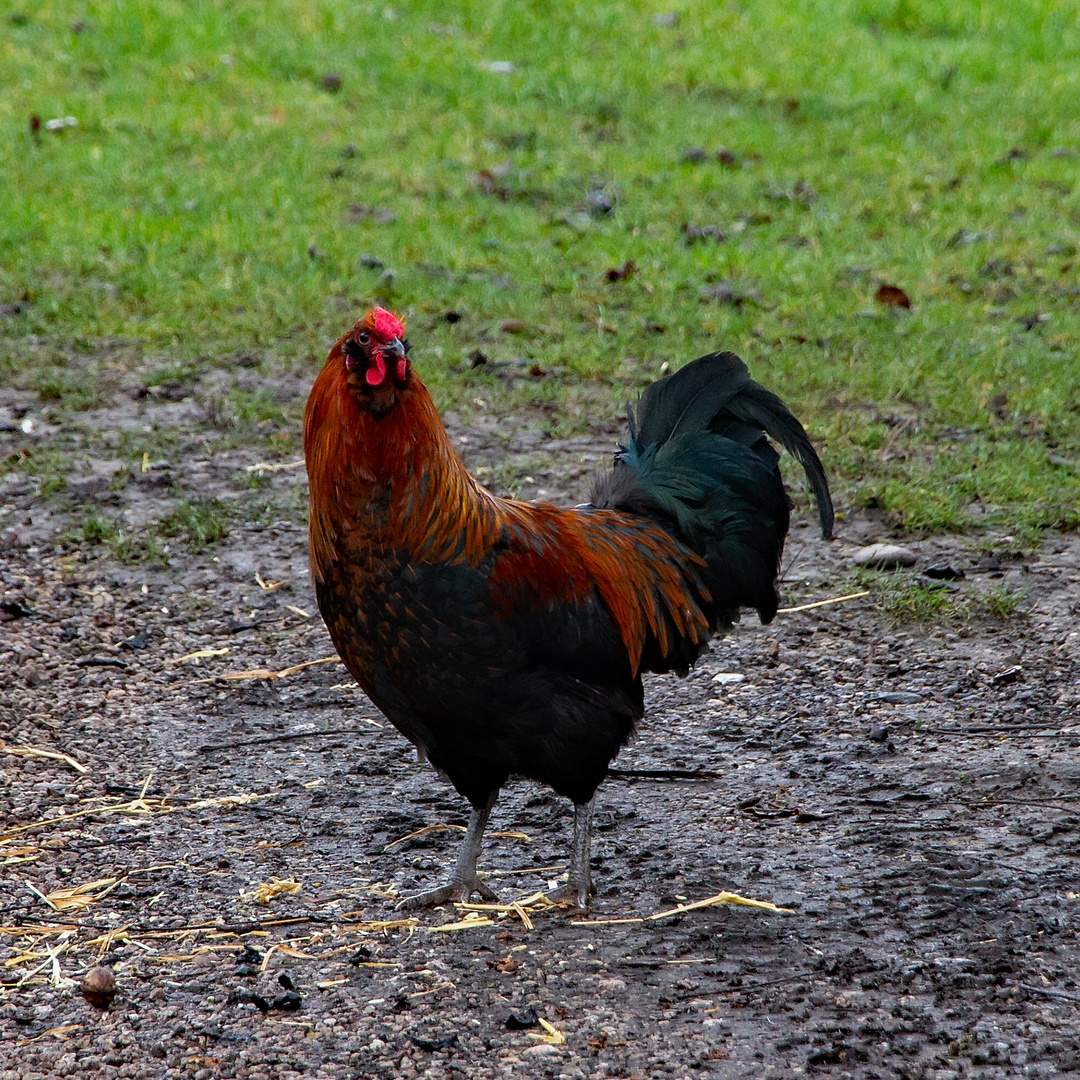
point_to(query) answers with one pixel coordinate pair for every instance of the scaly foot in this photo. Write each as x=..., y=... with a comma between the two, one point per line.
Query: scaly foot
x=455, y=891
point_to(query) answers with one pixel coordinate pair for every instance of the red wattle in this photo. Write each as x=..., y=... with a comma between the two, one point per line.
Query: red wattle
x=376, y=373
x=402, y=369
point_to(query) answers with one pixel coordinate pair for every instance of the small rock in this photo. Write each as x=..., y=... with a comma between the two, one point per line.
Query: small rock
x=878, y=734
x=944, y=572
x=897, y=697
x=526, y=1019
x=599, y=203
x=99, y=987
x=541, y=1050
x=287, y=1001
x=728, y=678
x=884, y=557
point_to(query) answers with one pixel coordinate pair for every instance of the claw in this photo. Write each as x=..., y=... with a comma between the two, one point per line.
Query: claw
x=453, y=892
x=573, y=894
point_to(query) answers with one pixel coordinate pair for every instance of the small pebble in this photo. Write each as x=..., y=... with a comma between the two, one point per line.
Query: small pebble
x=728, y=678
x=99, y=987
x=884, y=557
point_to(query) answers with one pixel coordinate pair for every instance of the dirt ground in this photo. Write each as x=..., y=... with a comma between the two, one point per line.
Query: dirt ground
x=926, y=842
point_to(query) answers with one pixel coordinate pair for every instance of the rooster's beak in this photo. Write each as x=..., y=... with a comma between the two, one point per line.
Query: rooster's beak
x=395, y=348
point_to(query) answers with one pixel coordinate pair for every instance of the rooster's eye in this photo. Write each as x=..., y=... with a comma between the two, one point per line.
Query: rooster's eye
x=363, y=338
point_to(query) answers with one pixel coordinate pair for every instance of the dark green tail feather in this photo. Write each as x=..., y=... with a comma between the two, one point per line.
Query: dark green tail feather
x=700, y=462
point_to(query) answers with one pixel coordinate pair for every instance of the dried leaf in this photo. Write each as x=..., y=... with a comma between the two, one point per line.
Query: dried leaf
x=892, y=296
x=620, y=273
x=82, y=896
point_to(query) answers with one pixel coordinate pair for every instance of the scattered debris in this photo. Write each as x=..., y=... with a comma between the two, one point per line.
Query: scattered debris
x=268, y=891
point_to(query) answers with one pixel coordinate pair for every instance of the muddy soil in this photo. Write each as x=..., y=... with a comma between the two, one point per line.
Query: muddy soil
x=909, y=791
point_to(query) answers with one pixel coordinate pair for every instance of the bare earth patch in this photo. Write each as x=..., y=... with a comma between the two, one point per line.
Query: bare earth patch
x=910, y=791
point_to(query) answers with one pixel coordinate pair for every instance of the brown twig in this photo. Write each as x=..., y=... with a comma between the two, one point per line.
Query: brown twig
x=1049, y=992
x=664, y=774
x=211, y=748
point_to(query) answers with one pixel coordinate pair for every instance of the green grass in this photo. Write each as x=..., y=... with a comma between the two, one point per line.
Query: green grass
x=199, y=522
x=906, y=597
x=200, y=208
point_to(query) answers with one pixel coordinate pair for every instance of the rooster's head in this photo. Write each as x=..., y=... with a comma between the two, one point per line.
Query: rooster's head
x=376, y=351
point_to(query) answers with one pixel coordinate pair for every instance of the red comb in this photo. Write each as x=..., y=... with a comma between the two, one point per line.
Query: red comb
x=387, y=324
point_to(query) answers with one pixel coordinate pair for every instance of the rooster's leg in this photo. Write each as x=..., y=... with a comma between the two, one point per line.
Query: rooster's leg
x=578, y=884
x=464, y=881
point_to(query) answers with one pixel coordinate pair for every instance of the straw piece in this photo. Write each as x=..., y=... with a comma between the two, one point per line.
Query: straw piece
x=230, y=800
x=390, y=924
x=523, y=915
x=465, y=924
x=433, y=990
x=822, y=603
x=63, y=1033
x=201, y=654
x=268, y=586
x=82, y=896
x=267, y=891
x=422, y=832
x=266, y=673
x=682, y=909
x=296, y=953
x=33, y=751
x=720, y=898
x=298, y=611
x=552, y=1035
x=276, y=466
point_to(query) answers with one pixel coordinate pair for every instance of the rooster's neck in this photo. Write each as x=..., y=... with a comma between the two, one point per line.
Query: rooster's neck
x=386, y=482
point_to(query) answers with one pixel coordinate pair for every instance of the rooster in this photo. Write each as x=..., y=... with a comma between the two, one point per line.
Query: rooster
x=507, y=638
